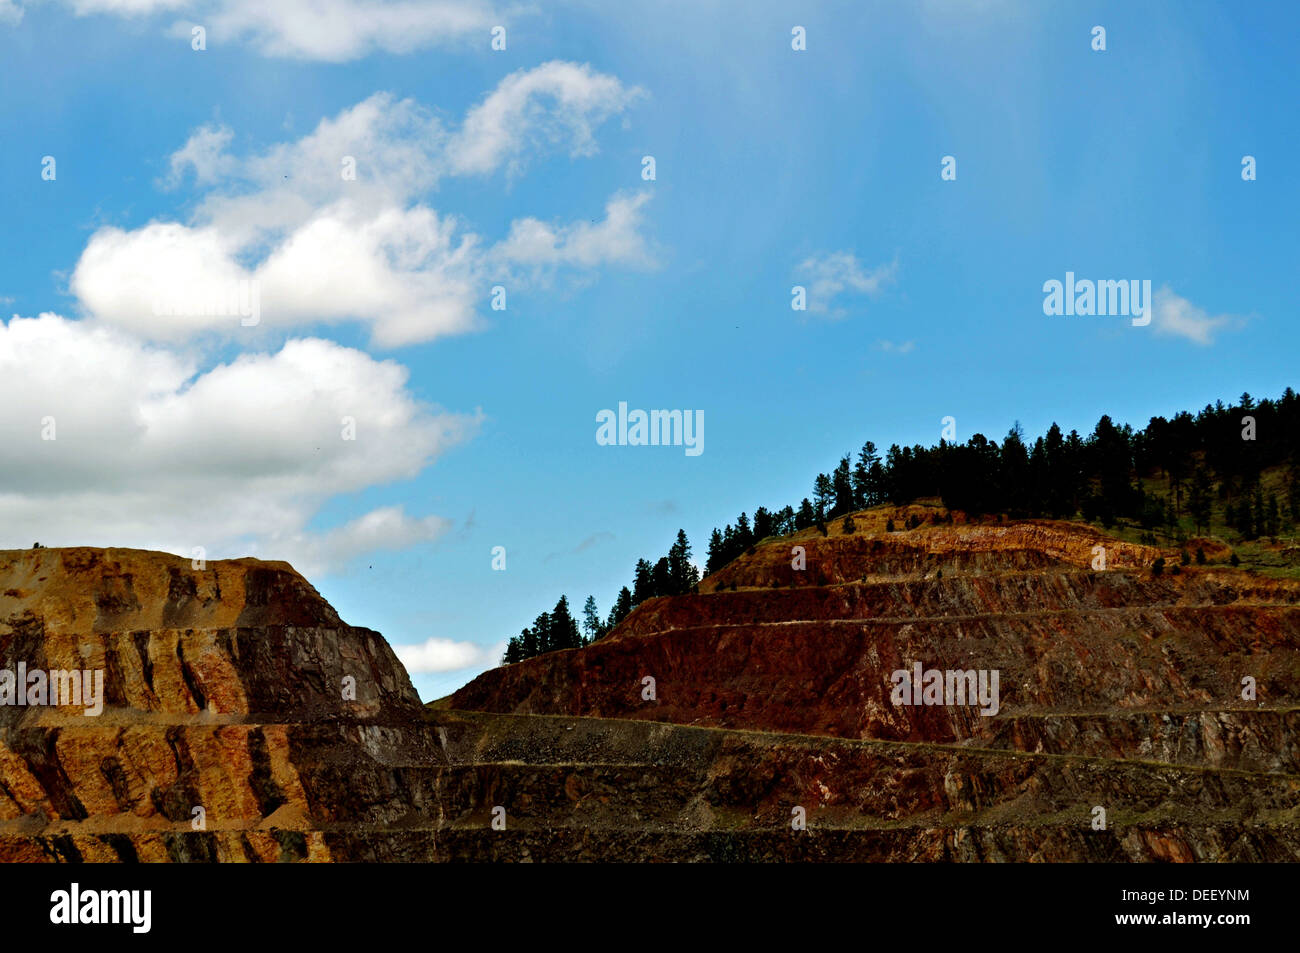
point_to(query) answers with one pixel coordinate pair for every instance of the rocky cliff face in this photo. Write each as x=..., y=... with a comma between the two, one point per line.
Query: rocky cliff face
x=813, y=650
x=595, y=789
x=241, y=718
x=1117, y=667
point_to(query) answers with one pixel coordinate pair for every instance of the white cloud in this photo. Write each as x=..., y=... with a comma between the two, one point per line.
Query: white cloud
x=324, y=248
x=615, y=240
x=333, y=31
x=446, y=655
x=832, y=274
x=340, y=30
x=901, y=347
x=1177, y=316
x=386, y=528
x=10, y=11
x=205, y=154
x=150, y=452
x=123, y=8
x=515, y=119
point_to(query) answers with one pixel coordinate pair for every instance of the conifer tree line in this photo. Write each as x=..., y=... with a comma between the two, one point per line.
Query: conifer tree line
x=1209, y=460
x=670, y=575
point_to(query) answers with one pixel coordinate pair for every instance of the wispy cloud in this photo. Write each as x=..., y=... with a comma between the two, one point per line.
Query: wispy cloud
x=591, y=542
x=902, y=347
x=830, y=275
x=1176, y=316
x=333, y=31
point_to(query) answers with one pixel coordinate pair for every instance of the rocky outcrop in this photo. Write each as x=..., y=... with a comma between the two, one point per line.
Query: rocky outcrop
x=599, y=789
x=1108, y=663
x=1120, y=691
x=241, y=718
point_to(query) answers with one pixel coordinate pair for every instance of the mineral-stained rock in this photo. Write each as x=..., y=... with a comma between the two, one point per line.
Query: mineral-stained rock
x=771, y=733
x=241, y=717
x=1103, y=672
x=1113, y=662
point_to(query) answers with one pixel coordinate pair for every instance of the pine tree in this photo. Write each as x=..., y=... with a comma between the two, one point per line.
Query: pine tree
x=642, y=582
x=592, y=627
x=785, y=521
x=823, y=495
x=842, y=488
x=542, y=632
x=682, y=574
x=514, y=651
x=622, y=606
x=864, y=491
x=564, y=628
x=806, y=515
x=661, y=579
x=1015, y=493
x=1112, y=456
x=715, y=560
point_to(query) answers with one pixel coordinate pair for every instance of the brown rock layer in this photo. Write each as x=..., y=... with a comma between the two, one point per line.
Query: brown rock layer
x=240, y=715
x=1089, y=662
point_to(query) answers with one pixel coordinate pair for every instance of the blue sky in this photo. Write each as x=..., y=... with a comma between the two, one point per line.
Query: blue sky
x=774, y=168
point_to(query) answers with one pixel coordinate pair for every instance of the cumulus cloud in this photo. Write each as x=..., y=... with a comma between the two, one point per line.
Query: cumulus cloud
x=832, y=274
x=324, y=246
x=447, y=655
x=1176, y=316
x=616, y=239
x=111, y=441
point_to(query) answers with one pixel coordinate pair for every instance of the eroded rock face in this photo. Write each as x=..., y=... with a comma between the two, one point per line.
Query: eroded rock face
x=1107, y=663
x=232, y=694
x=1119, y=691
x=236, y=689
x=592, y=789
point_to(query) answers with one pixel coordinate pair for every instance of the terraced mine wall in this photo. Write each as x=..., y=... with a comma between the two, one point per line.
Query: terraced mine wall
x=242, y=720
x=241, y=716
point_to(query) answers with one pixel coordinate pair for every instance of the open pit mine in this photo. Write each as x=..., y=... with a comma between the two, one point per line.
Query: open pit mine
x=776, y=714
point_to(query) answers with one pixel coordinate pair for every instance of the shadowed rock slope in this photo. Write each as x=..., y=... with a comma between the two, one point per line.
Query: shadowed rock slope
x=601, y=789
